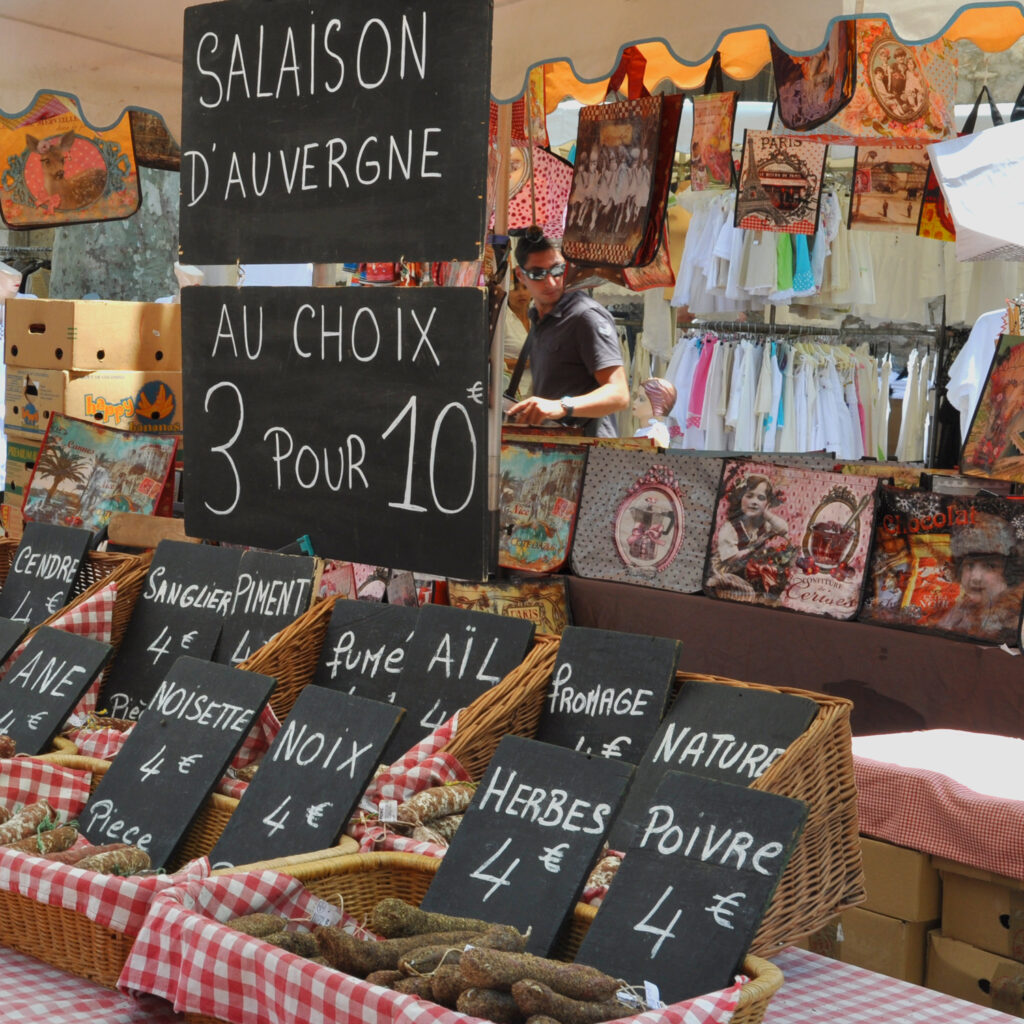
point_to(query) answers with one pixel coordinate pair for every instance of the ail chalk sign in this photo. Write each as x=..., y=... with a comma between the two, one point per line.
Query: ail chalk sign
x=688, y=899
x=188, y=592
x=174, y=756
x=310, y=779
x=43, y=571
x=333, y=132
x=356, y=415
x=534, y=828
x=44, y=683
x=608, y=691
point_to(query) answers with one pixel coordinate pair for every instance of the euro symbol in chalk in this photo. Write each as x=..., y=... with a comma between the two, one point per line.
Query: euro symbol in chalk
x=54, y=601
x=551, y=858
x=185, y=763
x=611, y=748
x=315, y=812
x=721, y=910
x=186, y=640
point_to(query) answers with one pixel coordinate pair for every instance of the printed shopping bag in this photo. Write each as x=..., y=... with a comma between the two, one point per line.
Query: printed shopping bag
x=995, y=438
x=888, y=187
x=813, y=89
x=714, y=116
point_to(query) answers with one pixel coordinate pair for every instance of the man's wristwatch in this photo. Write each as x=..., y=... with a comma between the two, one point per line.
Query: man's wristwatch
x=568, y=404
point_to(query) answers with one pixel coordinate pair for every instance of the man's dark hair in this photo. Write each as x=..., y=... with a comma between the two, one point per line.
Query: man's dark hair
x=533, y=241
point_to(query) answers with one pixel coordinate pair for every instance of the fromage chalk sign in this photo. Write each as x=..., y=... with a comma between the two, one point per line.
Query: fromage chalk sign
x=174, y=756
x=334, y=131
x=43, y=571
x=356, y=415
x=310, y=779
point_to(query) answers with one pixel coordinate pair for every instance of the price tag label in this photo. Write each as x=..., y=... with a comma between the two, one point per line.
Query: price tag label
x=652, y=995
x=325, y=913
x=388, y=811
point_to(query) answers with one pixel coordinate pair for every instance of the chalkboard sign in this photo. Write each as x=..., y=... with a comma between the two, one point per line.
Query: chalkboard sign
x=174, y=756
x=310, y=779
x=523, y=850
x=453, y=657
x=271, y=592
x=358, y=415
x=326, y=132
x=11, y=633
x=608, y=691
x=364, y=648
x=43, y=571
x=44, y=683
x=688, y=899
x=188, y=591
x=730, y=733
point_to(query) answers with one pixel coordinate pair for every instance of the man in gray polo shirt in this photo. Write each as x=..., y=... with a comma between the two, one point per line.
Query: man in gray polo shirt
x=575, y=357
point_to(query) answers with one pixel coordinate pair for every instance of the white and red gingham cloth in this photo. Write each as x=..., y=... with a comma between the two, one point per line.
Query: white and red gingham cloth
x=185, y=955
x=958, y=795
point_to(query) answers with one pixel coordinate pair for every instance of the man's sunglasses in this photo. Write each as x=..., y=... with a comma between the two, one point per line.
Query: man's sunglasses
x=539, y=273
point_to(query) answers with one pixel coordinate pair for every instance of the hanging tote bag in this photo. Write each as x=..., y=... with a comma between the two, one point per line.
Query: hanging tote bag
x=714, y=118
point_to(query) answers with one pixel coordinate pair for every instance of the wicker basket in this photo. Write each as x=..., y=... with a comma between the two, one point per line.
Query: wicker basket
x=366, y=879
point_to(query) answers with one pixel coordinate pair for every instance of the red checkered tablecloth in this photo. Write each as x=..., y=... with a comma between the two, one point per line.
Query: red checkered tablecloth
x=954, y=794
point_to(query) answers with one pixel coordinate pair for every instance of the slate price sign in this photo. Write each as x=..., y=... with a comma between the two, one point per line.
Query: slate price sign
x=310, y=779
x=324, y=131
x=692, y=889
x=175, y=755
x=534, y=828
x=355, y=415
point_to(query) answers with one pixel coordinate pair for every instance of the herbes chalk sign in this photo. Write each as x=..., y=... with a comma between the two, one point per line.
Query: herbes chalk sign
x=528, y=839
x=310, y=779
x=608, y=691
x=43, y=571
x=189, y=589
x=334, y=132
x=44, y=683
x=174, y=756
x=453, y=657
x=687, y=901
x=364, y=648
x=271, y=591
x=719, y=731
x=358, y=413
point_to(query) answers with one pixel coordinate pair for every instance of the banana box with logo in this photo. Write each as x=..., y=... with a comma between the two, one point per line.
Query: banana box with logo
x=22, y=451
x=32, y=396
x=147, y=401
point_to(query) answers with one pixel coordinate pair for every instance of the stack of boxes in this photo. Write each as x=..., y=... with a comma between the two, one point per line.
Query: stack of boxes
x=117, y=363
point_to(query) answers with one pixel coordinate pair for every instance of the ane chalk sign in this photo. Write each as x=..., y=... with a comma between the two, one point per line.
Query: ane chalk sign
x=174, y=756
x=687, y=901
x=529, y=837
x=310, y=779
x=332, y=132
x=358, y=415
x=188, y=591
x=44, y=683
x=11, y=633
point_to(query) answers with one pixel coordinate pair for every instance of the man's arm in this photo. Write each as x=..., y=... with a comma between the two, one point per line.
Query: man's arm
x=610, y=396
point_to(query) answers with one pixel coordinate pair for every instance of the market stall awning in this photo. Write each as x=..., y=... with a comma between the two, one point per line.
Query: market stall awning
x=115, y=54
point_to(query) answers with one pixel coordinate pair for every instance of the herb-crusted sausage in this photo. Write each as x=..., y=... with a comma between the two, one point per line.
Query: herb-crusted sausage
x=26, y=822
x=446, y=983
x=363, y=956
x=436, y=802
x=54, y=840
x=394, y=918
x=499, y=1007
x=258, y=925
x=129, y=861
x=79, y=853
x=534, y=997
x=492, y=968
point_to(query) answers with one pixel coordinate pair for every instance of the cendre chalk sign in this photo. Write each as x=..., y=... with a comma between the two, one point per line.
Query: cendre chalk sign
x=333, y=132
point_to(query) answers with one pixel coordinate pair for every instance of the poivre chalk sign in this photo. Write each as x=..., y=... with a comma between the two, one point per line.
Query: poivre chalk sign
x=44, y=683
x=528, y=839
x=43, y=571
x=326, y=131
x=310, y=780
x=174, y=756
x=689, y=896
x=359, y=413
x=608, y=691
x=364, y=648
x=453, y=657
x=189, y=589
x=271, y=591
x=719, y=731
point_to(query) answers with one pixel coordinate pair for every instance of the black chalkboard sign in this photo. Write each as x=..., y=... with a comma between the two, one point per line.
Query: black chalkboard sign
x=358, y=415
x=687, y=901
x=523, y=850
x=313, y=131
x=272, y=590
x=174, y=756
x=608, y=691
x=453, y=657
x=730, y=733
x=44, y=683
x=310, y=779
x=188, y=591
x=11, y=633
x=364, y=648
x=43, y=571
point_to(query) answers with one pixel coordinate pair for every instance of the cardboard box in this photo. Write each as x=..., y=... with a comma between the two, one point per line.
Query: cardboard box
x=983, y=909
x=32, y=397
x=140, y=400
x=21, y=459
x=10, y=519
x=90, y=334
x=900, y=882
x=962, y=970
